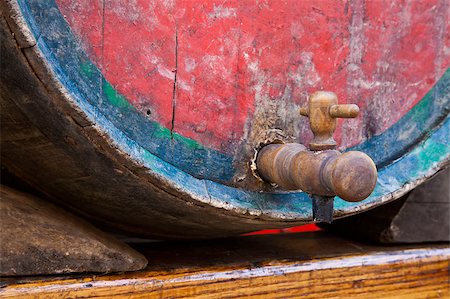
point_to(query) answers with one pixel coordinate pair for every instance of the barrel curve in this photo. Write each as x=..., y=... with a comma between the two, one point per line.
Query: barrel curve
x=63, y=146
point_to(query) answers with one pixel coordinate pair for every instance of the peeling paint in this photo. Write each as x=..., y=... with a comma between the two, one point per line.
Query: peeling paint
x=220, y=12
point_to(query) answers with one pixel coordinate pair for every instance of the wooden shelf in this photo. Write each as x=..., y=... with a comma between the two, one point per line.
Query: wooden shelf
x=307, y=265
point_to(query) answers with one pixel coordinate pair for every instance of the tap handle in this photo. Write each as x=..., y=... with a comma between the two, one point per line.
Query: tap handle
x=322, y=110
x=344, y=111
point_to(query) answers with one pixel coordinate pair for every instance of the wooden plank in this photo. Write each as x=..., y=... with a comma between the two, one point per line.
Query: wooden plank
x=311, y=265
x=38, y=237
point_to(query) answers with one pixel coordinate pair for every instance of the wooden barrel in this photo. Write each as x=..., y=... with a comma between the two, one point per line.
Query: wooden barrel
x=145, y=116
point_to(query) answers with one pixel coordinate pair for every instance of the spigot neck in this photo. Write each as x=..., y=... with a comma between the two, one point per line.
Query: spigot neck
x=352, y=175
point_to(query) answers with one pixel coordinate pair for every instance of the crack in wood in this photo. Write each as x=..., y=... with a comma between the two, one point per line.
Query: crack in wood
x=102, y=58
x=174, y=90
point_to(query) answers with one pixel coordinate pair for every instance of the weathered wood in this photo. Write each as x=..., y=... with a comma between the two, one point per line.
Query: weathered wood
x=224, y=73
x=71, y=160
x=420, y=216
x=40, y=238
x=288, y=266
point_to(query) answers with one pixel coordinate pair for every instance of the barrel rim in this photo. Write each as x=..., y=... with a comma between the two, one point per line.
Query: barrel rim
x=394, y=178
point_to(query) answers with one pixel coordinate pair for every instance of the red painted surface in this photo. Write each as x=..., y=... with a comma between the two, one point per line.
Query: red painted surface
x=234, y=55
x=295, y=229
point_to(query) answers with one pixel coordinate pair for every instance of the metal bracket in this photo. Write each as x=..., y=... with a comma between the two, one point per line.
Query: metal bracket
x=322, y=207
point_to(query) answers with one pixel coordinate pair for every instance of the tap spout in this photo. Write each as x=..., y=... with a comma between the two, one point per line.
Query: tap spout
x=352, y=175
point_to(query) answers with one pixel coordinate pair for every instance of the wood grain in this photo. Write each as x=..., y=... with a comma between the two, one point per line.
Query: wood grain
x=39, y=238
x=300, y=265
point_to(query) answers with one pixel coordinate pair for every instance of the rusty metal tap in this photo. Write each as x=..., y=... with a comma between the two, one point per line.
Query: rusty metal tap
x=322, y=171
